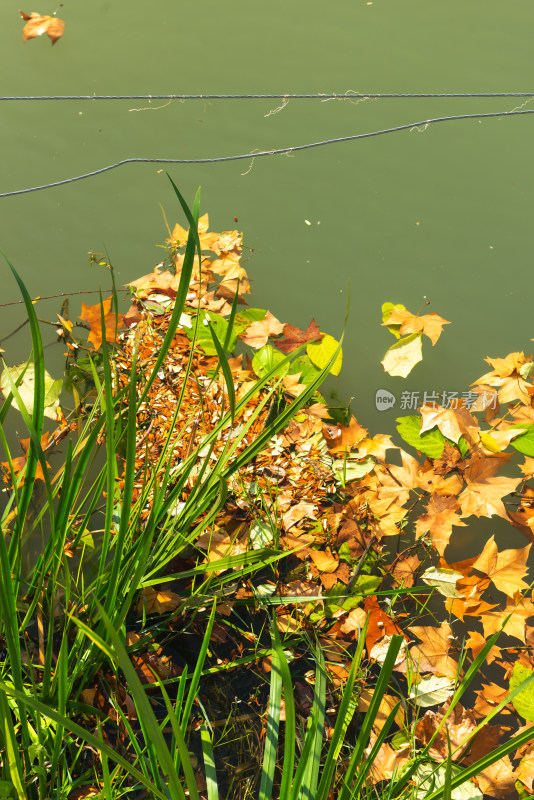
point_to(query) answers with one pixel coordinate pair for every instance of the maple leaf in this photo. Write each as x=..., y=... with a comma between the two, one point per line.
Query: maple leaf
x=342, y=437
x=179, y=235
x=20, y=462
x=461, y=725
x=518, y=613
x=429, y=324
x=498, y=780
x=388, y=762
x=298, y=512
x=476, y=642
x=295, y=337
x=405, y=570
x=157, y=602
x=484, y=492
x=504, y=569
x=258, y=332
x=432, y=655
x=36, y=25
x=379, y=625
x=92, y=315
x=507, y=374
x=488, y=697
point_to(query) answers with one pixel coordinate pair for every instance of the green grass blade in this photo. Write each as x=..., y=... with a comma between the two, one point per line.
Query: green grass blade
x=209, y=764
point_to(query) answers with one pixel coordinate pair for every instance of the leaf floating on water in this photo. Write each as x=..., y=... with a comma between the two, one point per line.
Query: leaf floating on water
x=402, y=357
x=36, y=25
x=26, y=388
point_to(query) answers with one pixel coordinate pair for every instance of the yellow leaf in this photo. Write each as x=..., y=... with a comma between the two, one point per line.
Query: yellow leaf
x=321, y=352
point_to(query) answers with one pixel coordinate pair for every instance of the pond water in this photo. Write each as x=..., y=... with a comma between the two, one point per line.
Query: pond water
x=441, y=214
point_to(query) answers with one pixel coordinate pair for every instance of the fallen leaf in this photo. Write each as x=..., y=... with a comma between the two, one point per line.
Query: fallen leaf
x=505, y=569
x=429, y=324
x=258, y=332
x=432, y=655
x=405, y=570
x=295, y=337
x=402, y=357
x=484, y=492
x=157, y=602
x=36, y=25
x=93, y=315
x=20, y=462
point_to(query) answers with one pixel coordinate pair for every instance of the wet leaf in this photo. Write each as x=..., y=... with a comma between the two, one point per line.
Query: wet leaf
x=92, y=315
x=295, y=337
x=402, y=357
x=321, y=352
x=26, y=388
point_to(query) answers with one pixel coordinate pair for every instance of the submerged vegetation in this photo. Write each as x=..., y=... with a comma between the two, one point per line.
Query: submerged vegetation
x=236, y=595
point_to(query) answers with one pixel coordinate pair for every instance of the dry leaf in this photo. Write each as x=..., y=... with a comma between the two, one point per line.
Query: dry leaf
x=92, y=315
x=36, y=25
x=505, y=569
x=429, y=324
x=432, y=655
x=295, y=337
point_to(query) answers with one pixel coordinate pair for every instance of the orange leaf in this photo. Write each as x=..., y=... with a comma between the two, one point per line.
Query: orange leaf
x=505, y=569
x=432, y=655
x=36, y=25
x=429, y=324
x=92, y=315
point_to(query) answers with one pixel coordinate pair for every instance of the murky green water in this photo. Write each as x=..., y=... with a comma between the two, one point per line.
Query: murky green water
x=442, y=214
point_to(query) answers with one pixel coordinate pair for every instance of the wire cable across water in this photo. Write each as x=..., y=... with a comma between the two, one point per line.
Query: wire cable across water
x=421, y=124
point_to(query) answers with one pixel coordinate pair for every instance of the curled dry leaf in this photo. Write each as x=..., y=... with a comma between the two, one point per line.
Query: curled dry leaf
x=36, y=25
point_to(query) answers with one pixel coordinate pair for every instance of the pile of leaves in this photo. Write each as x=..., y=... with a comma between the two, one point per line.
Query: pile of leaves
x=324, y=492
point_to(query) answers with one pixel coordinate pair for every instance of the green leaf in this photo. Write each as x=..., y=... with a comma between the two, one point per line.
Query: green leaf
x=203, y=336
x=321, y=352
x=524, y=701
x=525, y=442
x=308, y=372
x=430, y=443
x=27, y=387
x=266, y=359
x=246, y=317
x=349, y=469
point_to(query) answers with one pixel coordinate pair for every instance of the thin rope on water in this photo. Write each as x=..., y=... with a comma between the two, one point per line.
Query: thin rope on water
x=420, y=125
x=348, y=95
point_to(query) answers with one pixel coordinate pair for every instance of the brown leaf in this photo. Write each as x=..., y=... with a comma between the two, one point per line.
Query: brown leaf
x=439, y=520
x=504, y=569
x=484, y=492
x=518, y=613
x=461, y=725
x=432, y=655
x=499, y=779
x=341, y=438
x=405, y=570
x=36, y=25
x=257, y=333
x=380, y=624
x=156, y=602
x=476, y=642
x=92, y=315
x=20, y=462
x=295, y=337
